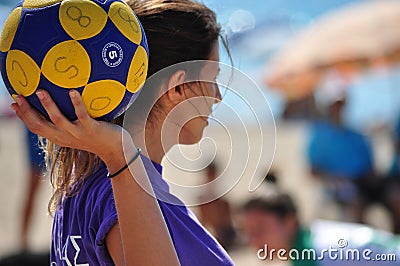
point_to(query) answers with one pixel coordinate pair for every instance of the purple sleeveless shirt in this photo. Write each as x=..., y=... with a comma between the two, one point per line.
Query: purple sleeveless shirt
x=82, y=222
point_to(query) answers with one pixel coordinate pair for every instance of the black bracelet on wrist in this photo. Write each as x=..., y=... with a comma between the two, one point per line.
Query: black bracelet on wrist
x=139, y=151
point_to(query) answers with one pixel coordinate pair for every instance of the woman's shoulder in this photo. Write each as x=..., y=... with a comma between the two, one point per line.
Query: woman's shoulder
x=92, y=197
x=96, y=193
x=88, y=215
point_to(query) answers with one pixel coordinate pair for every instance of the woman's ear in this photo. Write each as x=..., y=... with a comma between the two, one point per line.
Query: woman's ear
x=175, y=91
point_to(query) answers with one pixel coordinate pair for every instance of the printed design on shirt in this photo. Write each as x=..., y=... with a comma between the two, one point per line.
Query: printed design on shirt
x=70, y=251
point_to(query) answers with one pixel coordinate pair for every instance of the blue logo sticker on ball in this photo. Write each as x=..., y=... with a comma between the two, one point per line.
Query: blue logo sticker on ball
x=112, y=54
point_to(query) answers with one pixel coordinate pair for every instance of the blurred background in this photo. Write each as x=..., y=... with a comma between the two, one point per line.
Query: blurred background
x=329, y=74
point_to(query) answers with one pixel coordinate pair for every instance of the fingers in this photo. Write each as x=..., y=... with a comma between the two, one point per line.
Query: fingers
x=80, y=109
x=33, y=120
x=52, y=110
x=59, y=130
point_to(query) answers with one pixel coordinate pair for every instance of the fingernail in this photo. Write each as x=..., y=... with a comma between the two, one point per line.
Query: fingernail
x=18, y=100
x=40, y=95
x=14, y=108
x=72, y=94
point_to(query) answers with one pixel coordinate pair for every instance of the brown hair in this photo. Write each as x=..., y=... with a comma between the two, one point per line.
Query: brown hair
x=177, y=31
x=280, y=204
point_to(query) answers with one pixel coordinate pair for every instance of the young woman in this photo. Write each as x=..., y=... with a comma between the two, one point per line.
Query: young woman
x=113, y=221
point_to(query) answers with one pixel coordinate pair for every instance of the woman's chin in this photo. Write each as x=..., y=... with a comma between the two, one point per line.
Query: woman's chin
x=191, y=141
x=190, y=137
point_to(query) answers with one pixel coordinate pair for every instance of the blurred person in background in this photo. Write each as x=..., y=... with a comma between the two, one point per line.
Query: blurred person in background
x=391, y=183
x=343, y=160
x=216, y=215
x=305, y=108
x=270, y=223
x=36, y=171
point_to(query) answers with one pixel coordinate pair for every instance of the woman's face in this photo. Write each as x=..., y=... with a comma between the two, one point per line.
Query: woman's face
x=263, y=228
x=201, y=96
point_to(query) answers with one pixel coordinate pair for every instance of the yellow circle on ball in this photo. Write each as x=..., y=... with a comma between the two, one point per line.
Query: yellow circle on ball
x=39, y=3
x=137, y=70
x=82, y=19
x=9, y=29
x=67, y=65
x=123, y=18
x=103, y=96
x=22, y=72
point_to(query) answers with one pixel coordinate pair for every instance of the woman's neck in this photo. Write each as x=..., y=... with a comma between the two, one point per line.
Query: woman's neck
x=154, y=141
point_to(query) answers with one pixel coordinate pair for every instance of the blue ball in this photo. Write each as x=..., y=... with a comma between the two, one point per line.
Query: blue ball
x=97, y=47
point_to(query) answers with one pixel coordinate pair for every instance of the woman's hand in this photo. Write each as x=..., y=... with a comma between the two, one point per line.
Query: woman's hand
x=141, y=236
x=86, y=133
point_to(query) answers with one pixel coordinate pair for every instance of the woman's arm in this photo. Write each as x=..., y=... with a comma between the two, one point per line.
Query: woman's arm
x=132, y=201
x=143, y=236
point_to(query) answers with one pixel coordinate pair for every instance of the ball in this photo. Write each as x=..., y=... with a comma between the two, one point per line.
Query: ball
x=97, y=47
